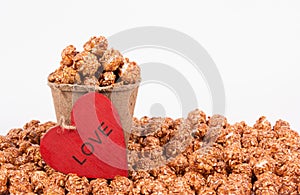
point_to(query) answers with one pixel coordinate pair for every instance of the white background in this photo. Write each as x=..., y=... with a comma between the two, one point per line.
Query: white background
x=255, y=45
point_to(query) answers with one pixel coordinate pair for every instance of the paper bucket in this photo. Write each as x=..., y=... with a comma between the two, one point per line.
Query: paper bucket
x=123, y=98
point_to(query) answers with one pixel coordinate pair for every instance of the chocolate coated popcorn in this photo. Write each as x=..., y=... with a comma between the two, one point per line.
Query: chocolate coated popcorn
x=219, y=158
x=97, y=65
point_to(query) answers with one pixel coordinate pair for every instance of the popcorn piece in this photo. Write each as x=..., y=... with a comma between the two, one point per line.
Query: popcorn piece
x=23, y=145
x=236, y=184
x=96, y=45
x=57, y=178
x=151, y=141
x=173, y=149
x=249, y=140
x=179, y=164
x=164, y=174
x=3, y=180
x=91, y=81
x=39, y=180
x=195, y=180
x=180, y=186
x=206, y=191
x=77, y=185
x=33, y=154
x=4, y=143
x=200, y=130
x=216, y=180
x=67, y=56
x=130, y=72
x=136, y=175
x=107, y=78
x=54, y=190
x=217, y=121
x=79, y=59
x=233, y=155
x=149, y=186
x=288, y=186
x=64, y=75
x=121, y=185
x=243, y=168
x=111, y=60
x=14, y=135
x=196, y=117
x=100, y=186
x=29, y=167
x=263, y=165
x=19, y=182
x=267, y=183
x=90, y=66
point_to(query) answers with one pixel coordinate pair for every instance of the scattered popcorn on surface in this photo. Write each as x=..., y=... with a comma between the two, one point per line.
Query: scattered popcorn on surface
x=219, y=158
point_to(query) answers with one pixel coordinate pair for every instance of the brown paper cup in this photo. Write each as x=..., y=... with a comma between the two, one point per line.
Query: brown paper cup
x=123, y=98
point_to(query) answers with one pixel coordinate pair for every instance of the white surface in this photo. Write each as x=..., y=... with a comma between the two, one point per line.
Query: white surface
x=255, y=45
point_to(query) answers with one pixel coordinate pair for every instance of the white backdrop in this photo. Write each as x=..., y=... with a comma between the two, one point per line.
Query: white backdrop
x=255, y=45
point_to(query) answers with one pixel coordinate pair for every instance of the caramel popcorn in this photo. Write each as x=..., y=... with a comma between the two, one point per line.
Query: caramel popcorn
x=14, y=136
x=3, y=180
x=4, y=143
x=220, y=158
x=196, y=117
x=68, y=55
x=129, y=72
x=206, y=191
x=96, y=45
x=243, y=168
x=267, y=183
x=39, y=180
x=149, y=186
x=107, y=78
x=90, y=66
x=179, y=186
x=262, y=165
x=289, y=186
x=165, y=175
x=100, y=186
x=216, y=180
x=235, y=184
x=111, y=60
x=136, y=175
x=195, y=180
x=97, y=65
x=66, y=75
x=58, y=179
x=93, y=81
x=121, y=185
x=179, y=164
x=77, y=185
x=79, y=59
x=19, y=182
x=54, y=190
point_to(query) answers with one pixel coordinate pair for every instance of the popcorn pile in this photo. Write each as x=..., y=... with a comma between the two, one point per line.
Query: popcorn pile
x=97, y=65
x=197, y=155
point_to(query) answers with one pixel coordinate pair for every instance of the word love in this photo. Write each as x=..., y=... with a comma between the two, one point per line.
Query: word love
x=96, y=149
x=88, y=148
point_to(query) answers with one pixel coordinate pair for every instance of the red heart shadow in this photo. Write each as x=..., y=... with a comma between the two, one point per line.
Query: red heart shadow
x=96, y=149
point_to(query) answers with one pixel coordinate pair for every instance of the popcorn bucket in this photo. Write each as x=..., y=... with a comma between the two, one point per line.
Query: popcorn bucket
x=123, y=97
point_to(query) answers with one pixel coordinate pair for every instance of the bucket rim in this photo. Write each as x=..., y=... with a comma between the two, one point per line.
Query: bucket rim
x=89, y=88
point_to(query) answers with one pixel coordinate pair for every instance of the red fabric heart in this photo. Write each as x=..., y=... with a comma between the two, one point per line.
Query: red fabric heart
x=96, y=149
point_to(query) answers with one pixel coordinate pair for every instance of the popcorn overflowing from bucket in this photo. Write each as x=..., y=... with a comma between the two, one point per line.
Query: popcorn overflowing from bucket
x=96, y=65
x=97, y=68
